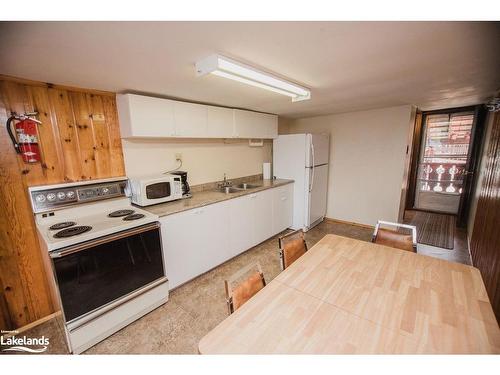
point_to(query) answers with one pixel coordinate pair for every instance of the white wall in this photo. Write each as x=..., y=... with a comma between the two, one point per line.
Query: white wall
x=480, y=174
x=284, y=125
x=367, y=161
x=204, y=160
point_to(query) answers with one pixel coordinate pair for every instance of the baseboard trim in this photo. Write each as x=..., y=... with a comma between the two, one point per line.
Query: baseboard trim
x=36, y=322
x=366, y=226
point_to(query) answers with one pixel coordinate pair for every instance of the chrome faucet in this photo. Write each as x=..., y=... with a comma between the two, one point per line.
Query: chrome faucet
x=225, y=183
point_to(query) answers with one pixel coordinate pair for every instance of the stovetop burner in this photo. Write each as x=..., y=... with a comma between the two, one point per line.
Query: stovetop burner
x=133, y=217
x=120, y=213
x=72, y=231
x=64, y=224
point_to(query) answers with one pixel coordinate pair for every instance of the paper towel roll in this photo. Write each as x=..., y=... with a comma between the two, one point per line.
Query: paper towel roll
x=266, y=171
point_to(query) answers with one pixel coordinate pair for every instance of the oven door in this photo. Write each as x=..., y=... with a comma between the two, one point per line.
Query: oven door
x=100, y=272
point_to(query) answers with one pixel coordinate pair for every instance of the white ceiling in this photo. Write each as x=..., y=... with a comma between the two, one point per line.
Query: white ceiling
x=348, y=65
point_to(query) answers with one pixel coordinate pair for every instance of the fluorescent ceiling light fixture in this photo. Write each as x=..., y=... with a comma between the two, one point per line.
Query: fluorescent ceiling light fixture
x=228, y=68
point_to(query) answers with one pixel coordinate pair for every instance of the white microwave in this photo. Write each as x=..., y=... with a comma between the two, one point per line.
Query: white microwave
x=154, y=190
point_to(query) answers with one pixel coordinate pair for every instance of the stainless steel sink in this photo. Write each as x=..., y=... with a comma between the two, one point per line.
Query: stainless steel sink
x=246, y=186
x=229, y=190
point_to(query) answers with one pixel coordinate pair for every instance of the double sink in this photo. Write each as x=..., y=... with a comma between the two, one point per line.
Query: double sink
x=237, y=188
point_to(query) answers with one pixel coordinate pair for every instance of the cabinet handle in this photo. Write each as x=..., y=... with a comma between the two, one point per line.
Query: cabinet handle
x=283, y=198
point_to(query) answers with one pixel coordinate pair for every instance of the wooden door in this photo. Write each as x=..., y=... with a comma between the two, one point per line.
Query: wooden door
x=445, y=160
x=485, y=239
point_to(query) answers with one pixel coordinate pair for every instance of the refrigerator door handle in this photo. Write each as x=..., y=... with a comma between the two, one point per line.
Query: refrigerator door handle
x=311, y=184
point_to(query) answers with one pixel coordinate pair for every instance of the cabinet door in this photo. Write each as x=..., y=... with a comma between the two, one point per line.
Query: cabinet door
x=262, y=205
x=220, y=122
x=248, y=124
x=144, y=116
x=190, y=120
x=213, y=235
x=181, y=246
x=282, y=208
x=241, y=222
x=271, y=125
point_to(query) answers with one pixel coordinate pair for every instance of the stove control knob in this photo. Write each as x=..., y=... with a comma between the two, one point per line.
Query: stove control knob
x=40, y=198
x=70, y=194
x=51, y=197
x=105, y=190
x=61, y=195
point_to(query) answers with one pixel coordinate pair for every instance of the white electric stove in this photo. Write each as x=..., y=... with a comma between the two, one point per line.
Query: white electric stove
x=105, y=256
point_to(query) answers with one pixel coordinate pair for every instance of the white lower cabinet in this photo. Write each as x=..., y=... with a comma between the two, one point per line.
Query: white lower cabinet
x=262, y=214
x=180, y=247
x=240, y=224
x=212, y=231
x=200, y=239
x=194, y=241
x=282, y=207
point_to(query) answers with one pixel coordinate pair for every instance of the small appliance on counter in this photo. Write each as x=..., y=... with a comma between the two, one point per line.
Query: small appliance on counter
x=186, y=191
x=149, y=190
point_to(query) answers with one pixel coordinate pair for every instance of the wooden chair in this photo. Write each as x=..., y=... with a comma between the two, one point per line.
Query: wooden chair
x=244, y=290
x=292, y=247
x=394, y=238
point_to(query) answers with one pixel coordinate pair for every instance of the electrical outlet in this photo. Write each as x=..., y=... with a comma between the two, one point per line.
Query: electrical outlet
x=178, y=157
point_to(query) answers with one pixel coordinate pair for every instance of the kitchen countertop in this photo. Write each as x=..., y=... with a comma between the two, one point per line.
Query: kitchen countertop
x=204, y=198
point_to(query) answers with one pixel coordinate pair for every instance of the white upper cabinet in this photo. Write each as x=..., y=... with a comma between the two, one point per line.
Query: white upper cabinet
x=190, y=120
x=248, y=124
x=144, y=116
x=220, y=122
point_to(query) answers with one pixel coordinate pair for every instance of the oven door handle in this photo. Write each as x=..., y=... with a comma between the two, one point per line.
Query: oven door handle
x=102, y=240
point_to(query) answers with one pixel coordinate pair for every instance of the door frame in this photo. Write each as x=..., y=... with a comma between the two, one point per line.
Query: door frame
x=471, y=165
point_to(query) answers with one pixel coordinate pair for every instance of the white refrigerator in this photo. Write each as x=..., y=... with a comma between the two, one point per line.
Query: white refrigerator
x=304, y=158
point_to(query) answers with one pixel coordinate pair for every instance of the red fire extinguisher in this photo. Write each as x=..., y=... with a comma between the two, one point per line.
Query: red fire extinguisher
x=26, y=142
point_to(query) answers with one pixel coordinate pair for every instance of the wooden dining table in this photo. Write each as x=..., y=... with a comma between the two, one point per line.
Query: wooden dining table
x=349, y=296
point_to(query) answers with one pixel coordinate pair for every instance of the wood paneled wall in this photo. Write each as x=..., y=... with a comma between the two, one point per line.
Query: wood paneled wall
x=485, y=239
x=79, y=140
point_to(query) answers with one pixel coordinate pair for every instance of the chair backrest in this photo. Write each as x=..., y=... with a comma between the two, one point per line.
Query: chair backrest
x=395, y=238
x=292, y=247
x=243, y=285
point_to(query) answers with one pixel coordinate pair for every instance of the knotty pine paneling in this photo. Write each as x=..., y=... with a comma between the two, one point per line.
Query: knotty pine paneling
x=79, y=140
x=485, y=239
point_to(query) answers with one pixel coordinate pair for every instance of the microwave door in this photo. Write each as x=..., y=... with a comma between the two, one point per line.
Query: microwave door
x=158, y=190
